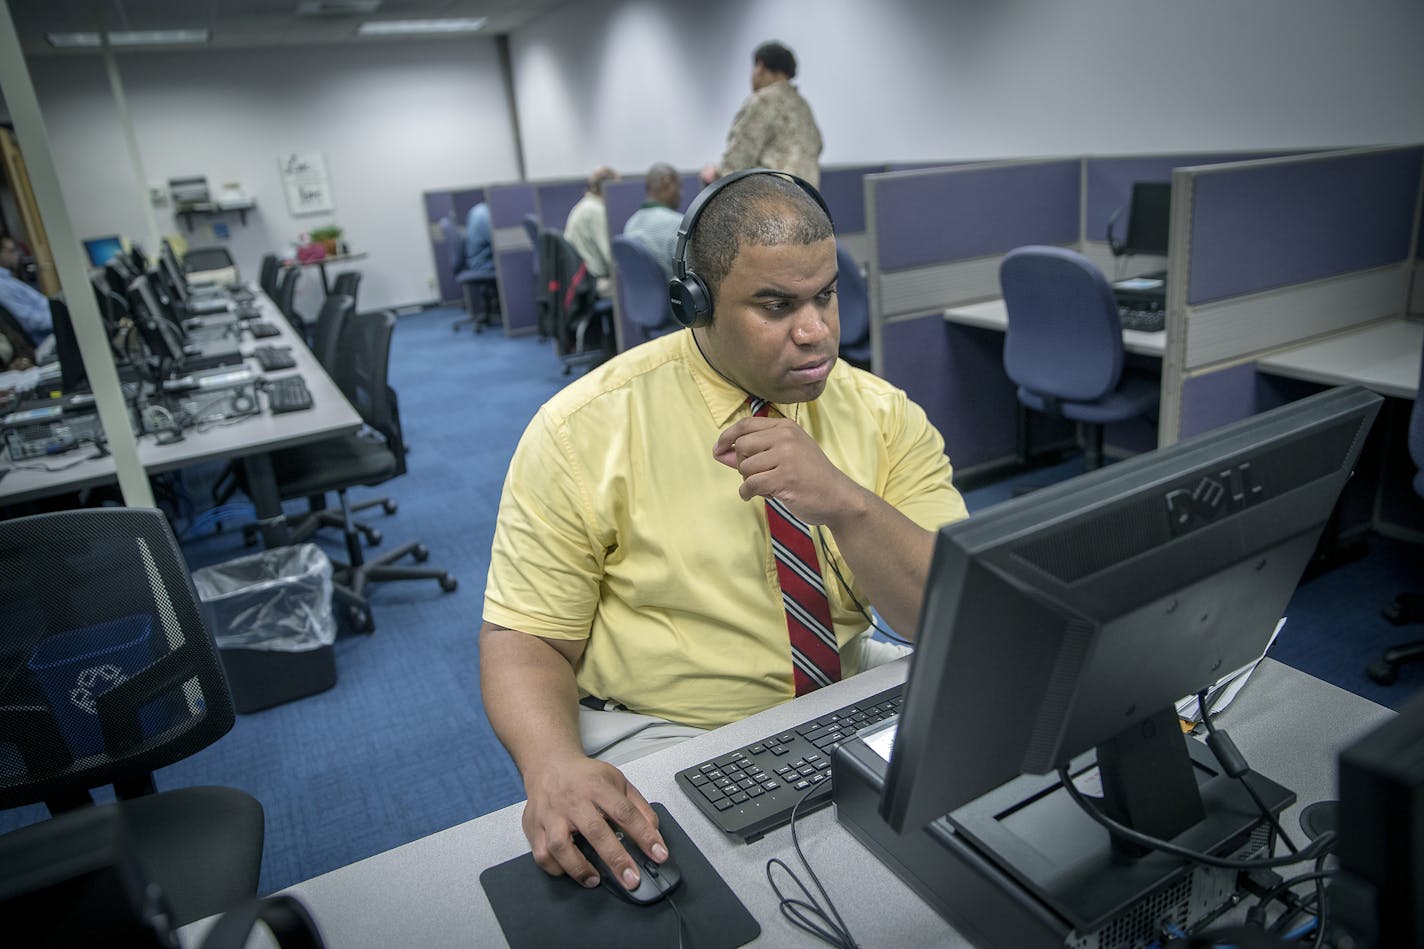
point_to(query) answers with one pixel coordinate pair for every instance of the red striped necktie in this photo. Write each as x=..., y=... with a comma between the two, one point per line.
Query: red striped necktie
x=815, y=658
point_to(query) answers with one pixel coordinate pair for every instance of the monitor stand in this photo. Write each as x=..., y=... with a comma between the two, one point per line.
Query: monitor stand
x=1023, y=866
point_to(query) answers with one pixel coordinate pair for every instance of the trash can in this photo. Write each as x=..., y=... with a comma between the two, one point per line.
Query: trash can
x=77, y=666
x=270, y=614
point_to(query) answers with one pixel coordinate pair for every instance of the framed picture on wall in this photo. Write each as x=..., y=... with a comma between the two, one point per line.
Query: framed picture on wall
x=305, y=183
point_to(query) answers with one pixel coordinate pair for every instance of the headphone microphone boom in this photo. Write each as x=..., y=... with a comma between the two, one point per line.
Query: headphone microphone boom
x=690, y=297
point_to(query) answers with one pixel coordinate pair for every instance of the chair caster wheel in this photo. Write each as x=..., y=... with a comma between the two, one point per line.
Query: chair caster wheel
x=249, y=537
x=421, y=553
x=448, y=583
x=390, y=507
x=1383, y=672
x=361, y=620
x=373, y=538
x=1395, y=613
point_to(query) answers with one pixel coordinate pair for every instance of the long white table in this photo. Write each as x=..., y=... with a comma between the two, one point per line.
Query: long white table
x=249, y=440
x=1382, y=356
x=427, y=893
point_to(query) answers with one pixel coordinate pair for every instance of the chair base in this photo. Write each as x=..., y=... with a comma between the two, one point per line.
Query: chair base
x=489, y=299
x=1405, y=608
x=353, y=579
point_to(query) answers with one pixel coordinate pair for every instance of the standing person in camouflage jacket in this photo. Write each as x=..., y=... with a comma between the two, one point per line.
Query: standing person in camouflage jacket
x=774, y=128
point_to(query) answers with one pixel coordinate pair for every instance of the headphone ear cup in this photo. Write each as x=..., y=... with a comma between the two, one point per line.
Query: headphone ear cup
x=691, y=303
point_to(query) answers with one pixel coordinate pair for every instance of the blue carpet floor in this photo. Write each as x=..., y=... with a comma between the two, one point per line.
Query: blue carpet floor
x=400, y=748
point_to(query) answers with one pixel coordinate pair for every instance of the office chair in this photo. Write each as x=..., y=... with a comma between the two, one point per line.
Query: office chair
x=1407, y=607
x=347, y=283
x=286, y=293
x=267, y=275
x=531, y=230
x=642, y=288
x=370, y=457
x=329, y=327
x=571, y=313
x=1063, y=347
x=469, y=281
x=108, y=673
x=854, y=303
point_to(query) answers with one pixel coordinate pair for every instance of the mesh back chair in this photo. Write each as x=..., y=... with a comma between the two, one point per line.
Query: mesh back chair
x=854, y=304
x=531, y=230
x=1407, y=607
x=346, y=283
x=1063, y=347
x=107, y=673
x=571, y=313
x=470, y=281
x=642, y=288
x=336, y=309
x=267, y=275
x=370, y=457
x=286, y=294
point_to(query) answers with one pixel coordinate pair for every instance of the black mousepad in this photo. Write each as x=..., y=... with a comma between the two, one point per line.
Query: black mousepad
x=536, y=910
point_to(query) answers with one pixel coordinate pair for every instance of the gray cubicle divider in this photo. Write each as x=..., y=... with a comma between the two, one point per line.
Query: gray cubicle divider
x=453, y=204
x=1272, y=253
x=555, y=199
x=936, y=238
x=844, y=191
x=513, y=256
x=622, y=198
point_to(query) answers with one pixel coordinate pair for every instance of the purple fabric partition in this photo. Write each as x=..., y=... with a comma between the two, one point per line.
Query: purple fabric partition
x=438, y=205
x=514, y=268
x=1212, y=400
x=959, y=214
x=465, y=199
x=556, y=199
x=844, y=191
x=1256, y=228
x=1110, y=180
x=622, y=198
x=956, y=374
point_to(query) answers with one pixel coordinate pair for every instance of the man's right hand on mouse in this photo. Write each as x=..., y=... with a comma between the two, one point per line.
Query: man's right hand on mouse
x=584, y=796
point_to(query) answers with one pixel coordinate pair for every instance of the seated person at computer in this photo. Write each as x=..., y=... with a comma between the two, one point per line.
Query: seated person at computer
x=29, y=307
x=478, y=258
x=633, y=566
x=586, y=230
x=655, y=223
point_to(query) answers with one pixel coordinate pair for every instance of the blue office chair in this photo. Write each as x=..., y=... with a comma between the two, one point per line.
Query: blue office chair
x=642, y=288
x=1064, y=347
x=854, y=301
x=1407, y=607
x=470, y=281
x=532, y=229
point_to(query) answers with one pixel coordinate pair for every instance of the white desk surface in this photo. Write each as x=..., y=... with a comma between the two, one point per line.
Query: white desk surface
x=1383, y=357
x=330, y=415
x=993, y=315
x=427, y=893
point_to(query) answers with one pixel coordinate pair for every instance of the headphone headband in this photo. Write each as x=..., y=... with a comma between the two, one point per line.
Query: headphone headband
x=690, y=297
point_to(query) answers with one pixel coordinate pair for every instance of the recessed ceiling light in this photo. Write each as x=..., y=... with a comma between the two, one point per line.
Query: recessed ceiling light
x=406, y=27
x=62, y=40
x=154, y=37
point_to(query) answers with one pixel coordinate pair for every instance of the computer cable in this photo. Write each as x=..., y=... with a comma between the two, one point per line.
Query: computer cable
x=884, y=631
x=807, y=914
x=1318, y=847
x=1234, y=764
x=681, y=923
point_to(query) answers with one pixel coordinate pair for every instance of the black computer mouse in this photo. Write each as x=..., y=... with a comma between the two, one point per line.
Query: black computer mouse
x=655, y=880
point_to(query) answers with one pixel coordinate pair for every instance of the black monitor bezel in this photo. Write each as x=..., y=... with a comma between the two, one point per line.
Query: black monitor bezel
x=1149, y=219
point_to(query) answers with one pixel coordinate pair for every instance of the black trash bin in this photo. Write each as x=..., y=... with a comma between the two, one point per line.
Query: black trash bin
x=270, y=614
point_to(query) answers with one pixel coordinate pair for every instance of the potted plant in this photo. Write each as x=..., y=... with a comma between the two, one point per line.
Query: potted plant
x=327, y=237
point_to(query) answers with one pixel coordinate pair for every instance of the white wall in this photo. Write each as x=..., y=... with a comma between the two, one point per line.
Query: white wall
x=393, y=120
x=629, y=82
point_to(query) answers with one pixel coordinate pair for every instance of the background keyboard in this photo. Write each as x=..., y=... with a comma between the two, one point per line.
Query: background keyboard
x=274, y=357
x=288, y=394
x=1145, y=321
x=753, y=789
x=261, y=329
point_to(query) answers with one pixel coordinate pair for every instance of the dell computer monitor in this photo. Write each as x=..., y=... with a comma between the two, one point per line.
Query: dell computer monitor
x=1062, y=621
x=103, y=249
x=1149, y=219
x=162, y=338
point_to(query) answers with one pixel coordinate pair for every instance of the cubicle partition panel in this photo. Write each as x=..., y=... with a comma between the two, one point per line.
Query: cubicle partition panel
x=1416, y=293
x=936, y=239
x=555, y=199
x=513, y=256
x=844, y=191
x=440, y=207
x=1272, y=253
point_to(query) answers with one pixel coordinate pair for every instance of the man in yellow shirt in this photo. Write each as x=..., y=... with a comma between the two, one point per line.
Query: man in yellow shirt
x=633, y=563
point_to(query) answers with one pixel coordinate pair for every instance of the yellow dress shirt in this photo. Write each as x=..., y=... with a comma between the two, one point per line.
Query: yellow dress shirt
x=617, y=526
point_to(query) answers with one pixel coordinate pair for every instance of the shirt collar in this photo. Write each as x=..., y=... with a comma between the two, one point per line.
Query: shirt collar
x=725, y=402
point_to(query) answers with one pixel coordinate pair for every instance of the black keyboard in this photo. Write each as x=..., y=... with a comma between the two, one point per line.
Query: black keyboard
x=288, y=394
x=752, y=790
x=274, y=357
x=1145, y=321
x=261, y=329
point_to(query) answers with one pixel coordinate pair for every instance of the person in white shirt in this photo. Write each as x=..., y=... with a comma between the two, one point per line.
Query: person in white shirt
x=587, y=230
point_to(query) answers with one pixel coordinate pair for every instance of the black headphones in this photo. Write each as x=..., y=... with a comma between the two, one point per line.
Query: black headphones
x=691, y=299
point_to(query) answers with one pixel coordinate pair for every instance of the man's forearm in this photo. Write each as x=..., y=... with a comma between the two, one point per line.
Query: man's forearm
x=530, y=697
x=890, y=555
